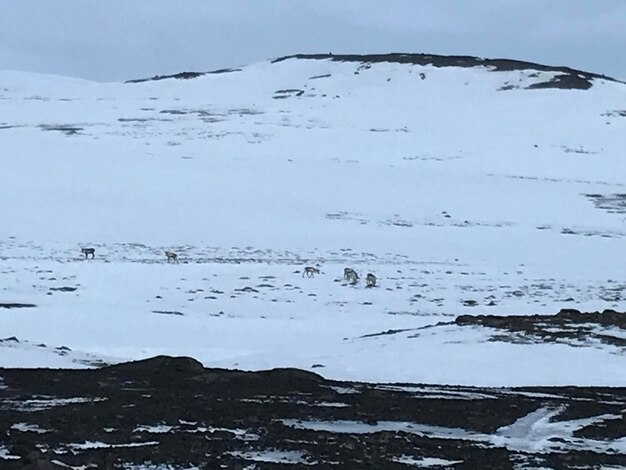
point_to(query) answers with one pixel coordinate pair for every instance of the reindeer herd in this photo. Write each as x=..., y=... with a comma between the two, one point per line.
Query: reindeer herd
x=349, y=274
x=169, y=255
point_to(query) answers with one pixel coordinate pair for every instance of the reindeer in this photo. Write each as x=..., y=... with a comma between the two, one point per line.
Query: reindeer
x=310, y=271
x=370, y=280
x=171, y=256
x=350, y=275
x=88, y=251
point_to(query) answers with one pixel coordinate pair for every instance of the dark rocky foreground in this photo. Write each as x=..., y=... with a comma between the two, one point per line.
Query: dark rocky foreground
x=172, y=413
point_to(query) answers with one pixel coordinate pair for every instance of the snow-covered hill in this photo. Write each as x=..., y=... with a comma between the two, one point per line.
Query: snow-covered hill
x=465, y=185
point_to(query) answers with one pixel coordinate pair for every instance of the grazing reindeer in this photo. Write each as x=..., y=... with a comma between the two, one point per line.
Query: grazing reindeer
x=310, y=271
x=350, y=275
x=88, y=251
x=370, y=280
x=171, y=256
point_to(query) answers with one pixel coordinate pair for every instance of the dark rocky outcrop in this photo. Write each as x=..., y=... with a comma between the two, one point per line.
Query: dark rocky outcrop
x=180, y=76
x=16, y=305
x=171, y=411
x=608, y=326
x=568, y=78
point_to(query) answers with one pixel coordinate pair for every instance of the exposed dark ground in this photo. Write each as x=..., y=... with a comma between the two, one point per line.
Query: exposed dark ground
x=567, y=326
x=181, y=75
x=568, y=78
x=172, y=411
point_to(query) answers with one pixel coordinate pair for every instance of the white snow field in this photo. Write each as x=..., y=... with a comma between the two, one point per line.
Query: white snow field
x=460, y=189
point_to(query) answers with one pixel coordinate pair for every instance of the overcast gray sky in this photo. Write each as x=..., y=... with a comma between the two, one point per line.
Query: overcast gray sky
x=121, y=39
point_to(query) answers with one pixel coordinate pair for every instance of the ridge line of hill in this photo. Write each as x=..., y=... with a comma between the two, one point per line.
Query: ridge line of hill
x=571, y=78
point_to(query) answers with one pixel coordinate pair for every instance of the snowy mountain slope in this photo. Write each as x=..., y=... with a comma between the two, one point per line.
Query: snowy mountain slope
x=465, y=189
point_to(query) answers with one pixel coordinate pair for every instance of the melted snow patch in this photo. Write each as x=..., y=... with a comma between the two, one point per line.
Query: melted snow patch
x=331, y=404
x=356, y=427
x=6, y=455
x=45, y=403
x=158, y=429
x=157, y=467
x=425, y=462
x=103, y=445
x=27, y=427
x=536, y=432
x=242, y=434
x=434, y=393
x=274, y=456
x=344, y=390
x=64, y=465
